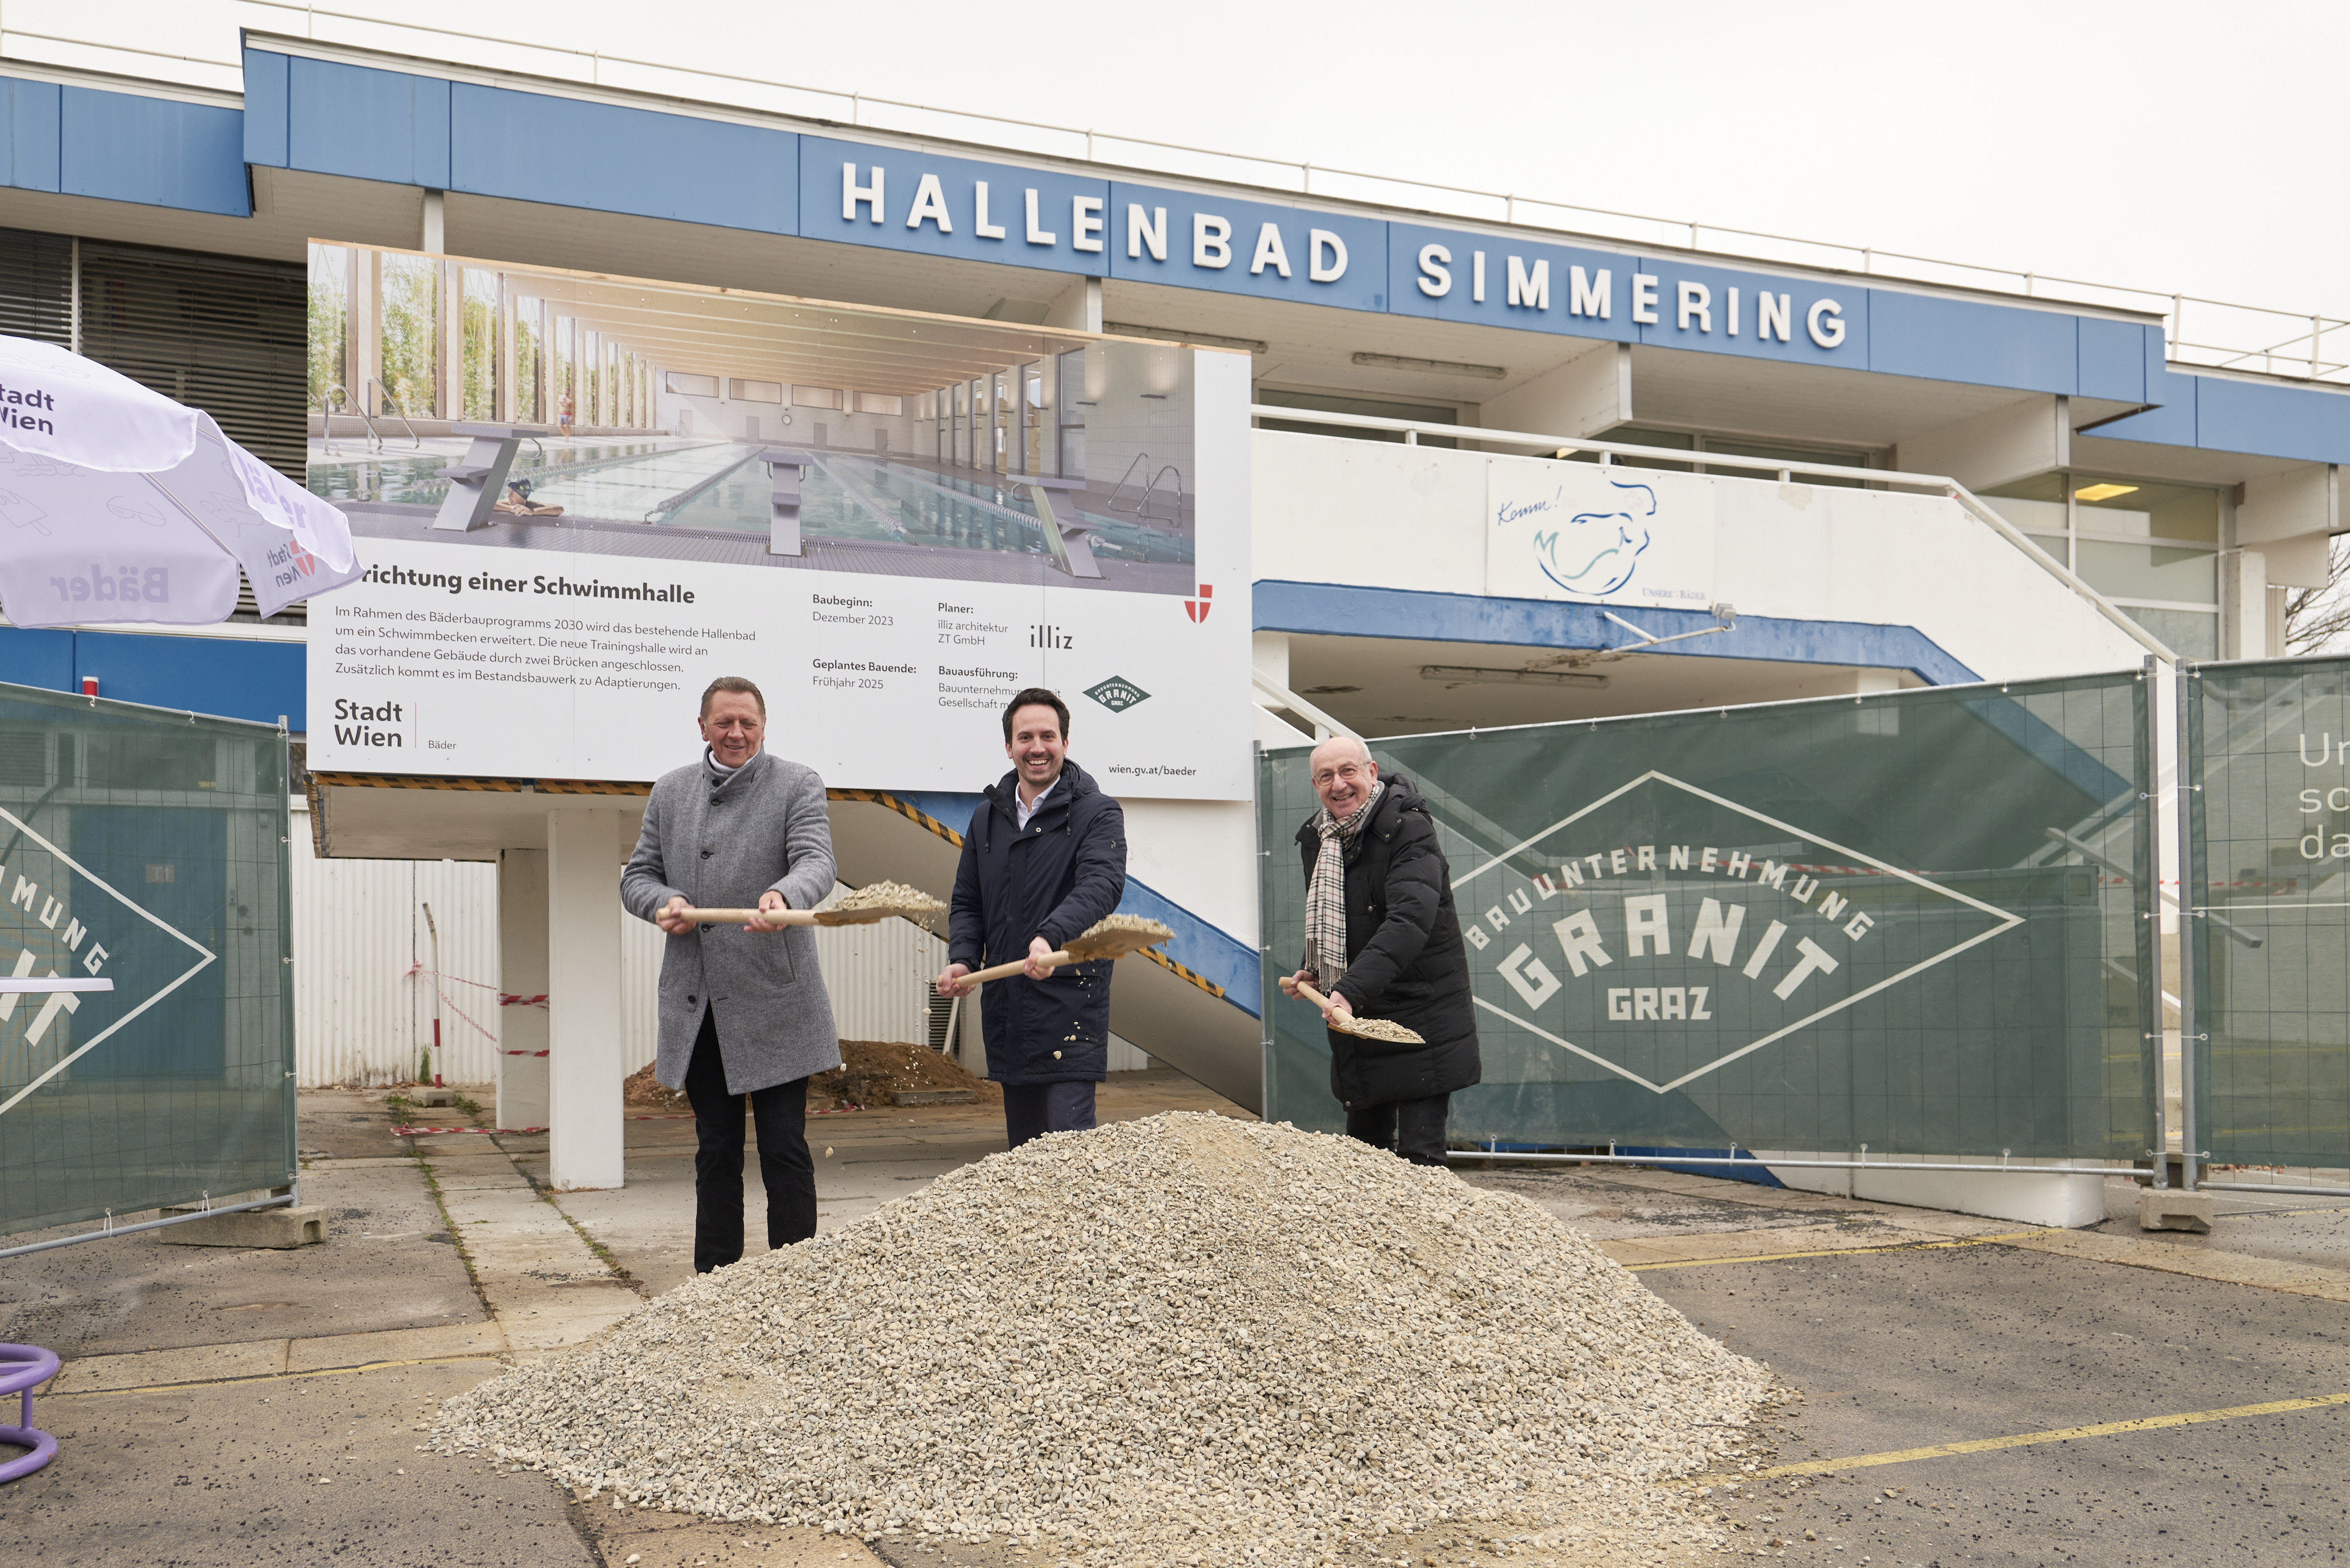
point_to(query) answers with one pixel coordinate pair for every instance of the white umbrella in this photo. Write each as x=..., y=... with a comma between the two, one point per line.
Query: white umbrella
x=124, y=505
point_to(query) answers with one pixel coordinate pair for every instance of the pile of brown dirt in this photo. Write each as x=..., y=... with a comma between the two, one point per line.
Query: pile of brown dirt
x=871, y=1073
x=641, y=1092
x=874, y=1072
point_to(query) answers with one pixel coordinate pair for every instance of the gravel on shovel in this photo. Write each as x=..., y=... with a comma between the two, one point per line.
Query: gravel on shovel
x=1183, y=1340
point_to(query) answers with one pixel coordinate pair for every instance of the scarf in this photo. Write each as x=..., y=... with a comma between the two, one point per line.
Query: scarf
x=1326, y=891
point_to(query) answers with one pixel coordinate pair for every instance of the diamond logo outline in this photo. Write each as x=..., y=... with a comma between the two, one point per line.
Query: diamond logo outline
x=2007, y=921
x=1118, y=694
x=208, y=956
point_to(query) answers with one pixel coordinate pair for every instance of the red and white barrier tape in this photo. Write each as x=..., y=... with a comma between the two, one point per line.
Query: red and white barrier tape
x=491, y=1035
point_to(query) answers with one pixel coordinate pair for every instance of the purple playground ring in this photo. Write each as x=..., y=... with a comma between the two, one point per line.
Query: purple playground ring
x=23, y=1368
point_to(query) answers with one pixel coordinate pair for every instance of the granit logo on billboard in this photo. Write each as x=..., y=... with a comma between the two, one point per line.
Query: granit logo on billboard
x=1117, y=693
x=58, y=920
x=1664, y=932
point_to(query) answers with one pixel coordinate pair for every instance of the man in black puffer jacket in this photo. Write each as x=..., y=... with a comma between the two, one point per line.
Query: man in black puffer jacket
x=1043, y=859
x=1383, y=942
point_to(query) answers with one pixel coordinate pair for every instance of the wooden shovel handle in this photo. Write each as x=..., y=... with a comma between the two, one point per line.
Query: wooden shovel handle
x=745, y=917
x=1006, y=971
x=1314, y=996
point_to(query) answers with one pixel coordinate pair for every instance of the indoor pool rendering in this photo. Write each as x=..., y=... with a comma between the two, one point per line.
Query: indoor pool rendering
x=721, y=488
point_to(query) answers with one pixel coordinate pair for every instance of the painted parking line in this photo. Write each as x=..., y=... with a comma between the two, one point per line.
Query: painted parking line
x=1832, y=1252
x=2026, y=1439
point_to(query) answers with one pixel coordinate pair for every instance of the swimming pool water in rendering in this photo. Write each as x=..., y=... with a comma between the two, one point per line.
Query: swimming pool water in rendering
x=722, y=487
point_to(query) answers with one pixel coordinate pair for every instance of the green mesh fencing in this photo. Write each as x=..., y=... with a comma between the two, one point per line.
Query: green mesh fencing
x=149, y=849
x=2270, y=831
x=1910, y=921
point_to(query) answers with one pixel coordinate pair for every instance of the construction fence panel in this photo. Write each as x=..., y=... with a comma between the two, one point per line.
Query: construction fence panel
x=2268, y=766
x=149, y=850
x=1907, y=922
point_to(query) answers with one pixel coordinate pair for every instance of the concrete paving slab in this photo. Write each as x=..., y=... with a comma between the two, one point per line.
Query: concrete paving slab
x=1774, y=1242
x=646, y=1539
x=196, y=1363
x=275, y=1357
x=534, y=1329
x=2207, y=1262
x=394, y=1345
x=385, y=1265
x=2313, y=1230
x=337, y=1124
x=301, y=1470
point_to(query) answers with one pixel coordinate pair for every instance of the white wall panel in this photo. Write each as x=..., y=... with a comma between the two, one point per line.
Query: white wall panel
x=640, y=958
x=360, y=1017
x=1366, y=515
x=464, y=899
x=879, y=978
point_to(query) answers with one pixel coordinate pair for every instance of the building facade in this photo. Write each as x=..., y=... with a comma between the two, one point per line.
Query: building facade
x=174, y=215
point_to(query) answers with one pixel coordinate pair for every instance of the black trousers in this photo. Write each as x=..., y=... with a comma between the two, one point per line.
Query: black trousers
x=784, y=1165
x=1412, y=1128
x=1032, y=1110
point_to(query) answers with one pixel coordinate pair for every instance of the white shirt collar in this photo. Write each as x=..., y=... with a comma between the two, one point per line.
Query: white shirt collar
x=1027, y=811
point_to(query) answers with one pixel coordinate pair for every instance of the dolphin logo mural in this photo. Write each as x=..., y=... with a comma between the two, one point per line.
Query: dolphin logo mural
x=1595, y=552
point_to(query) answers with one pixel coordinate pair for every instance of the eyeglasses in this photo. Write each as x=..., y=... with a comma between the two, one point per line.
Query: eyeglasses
x=1347, y=770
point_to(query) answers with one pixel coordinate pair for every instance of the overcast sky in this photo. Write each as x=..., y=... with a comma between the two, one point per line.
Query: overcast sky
x=2163, y=146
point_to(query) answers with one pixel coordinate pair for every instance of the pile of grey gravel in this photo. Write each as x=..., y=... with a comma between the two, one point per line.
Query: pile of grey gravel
x=1183, y=1340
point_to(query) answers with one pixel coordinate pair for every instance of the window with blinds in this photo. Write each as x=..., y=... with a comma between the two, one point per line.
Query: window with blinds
x=223, y=334
x=36, y=286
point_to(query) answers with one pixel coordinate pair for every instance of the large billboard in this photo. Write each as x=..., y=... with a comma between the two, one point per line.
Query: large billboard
x=581, y=498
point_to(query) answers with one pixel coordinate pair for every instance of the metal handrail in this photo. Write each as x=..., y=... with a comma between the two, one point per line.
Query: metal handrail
x=383, y=399
x=332, y=398
x=1297, y=174
x=1279, y=696
x=1119, y=488
x=1152, y=489
x=1561, y=446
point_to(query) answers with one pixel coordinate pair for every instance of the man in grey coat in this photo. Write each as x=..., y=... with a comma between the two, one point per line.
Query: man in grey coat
x=744, y=1013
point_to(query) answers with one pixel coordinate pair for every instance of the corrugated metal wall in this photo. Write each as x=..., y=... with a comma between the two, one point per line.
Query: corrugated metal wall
x=360, y=1017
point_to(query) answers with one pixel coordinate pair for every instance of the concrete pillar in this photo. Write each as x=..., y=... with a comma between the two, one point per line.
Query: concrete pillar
x=1269, y=655
x=1587, y=396
x=521, y=972
x=1078, y=306
x=366, y=344
x=2244, y=605
x=503, y=400
x=2017, y=441
x=2291, y=516
x=582, y=987
x=434, y=236
x=449, y=346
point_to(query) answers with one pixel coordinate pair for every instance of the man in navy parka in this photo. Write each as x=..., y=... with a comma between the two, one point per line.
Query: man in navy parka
x=1044, y=859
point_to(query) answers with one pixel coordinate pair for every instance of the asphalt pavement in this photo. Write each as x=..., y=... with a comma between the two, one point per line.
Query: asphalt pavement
x=1967, y=1390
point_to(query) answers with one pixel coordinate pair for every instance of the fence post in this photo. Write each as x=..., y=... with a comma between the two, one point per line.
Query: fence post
x=2188, y=914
